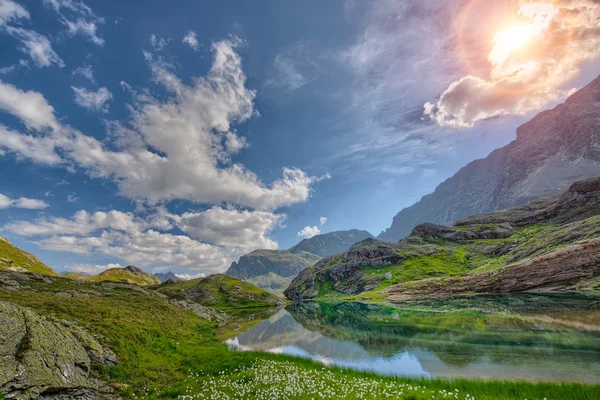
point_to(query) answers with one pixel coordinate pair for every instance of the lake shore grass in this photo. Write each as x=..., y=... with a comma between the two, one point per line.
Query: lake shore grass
x=168, y=352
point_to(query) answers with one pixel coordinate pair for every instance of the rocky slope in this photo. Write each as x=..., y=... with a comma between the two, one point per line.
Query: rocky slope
x=15, y=259
x=548, y=245
x=554, y=149
x=273, y=270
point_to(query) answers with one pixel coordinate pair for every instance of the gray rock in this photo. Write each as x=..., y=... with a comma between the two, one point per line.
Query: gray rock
x=42, y=358
x=388, y=276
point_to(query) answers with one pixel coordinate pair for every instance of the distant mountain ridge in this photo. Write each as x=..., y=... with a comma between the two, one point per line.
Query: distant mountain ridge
x=554, y=149
x=328, y=244
x=165, y=276
x=274, y=269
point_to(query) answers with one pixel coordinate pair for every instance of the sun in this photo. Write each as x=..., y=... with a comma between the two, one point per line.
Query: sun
x=508, y=41
x=515, y=37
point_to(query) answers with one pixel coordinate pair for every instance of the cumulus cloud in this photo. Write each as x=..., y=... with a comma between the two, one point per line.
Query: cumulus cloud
x=191, y=40
x=22, y=202
x=309, y=231
x=178, y=148
x=528, y=64
x=246, y=230
x=122, y=235
x=322, y=220
x=95, y=101
x=29, y=106
x=86, y=71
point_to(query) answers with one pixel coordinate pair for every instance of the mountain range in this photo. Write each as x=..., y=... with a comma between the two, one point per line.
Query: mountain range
x=554, y=149
x=551, y=245
x=274, y=269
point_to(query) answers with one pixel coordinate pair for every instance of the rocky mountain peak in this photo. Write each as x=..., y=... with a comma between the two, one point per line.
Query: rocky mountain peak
x=554, y=149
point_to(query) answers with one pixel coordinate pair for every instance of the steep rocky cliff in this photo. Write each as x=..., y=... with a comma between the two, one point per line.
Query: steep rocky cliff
x=548, y=245
x=554, y=149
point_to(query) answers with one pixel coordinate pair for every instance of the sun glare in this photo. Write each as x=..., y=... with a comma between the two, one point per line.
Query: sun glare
x=515, y=37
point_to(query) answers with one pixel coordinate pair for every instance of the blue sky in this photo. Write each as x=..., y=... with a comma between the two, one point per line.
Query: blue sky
x=181, y=137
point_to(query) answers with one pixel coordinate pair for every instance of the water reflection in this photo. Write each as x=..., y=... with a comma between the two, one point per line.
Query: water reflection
x=508, y=337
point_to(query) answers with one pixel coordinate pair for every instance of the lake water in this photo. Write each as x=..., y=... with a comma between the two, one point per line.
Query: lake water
x=552, y=338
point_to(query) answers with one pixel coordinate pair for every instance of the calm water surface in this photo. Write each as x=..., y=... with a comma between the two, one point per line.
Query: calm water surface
x=554, y=338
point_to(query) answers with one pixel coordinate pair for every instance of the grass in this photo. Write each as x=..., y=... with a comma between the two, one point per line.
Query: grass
x=222, y=292
x=167, y=352
x=458, y=258
x=22, y=259
x=302, y=379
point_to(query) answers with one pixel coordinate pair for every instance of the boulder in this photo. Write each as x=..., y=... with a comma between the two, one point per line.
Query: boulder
x=42, y=358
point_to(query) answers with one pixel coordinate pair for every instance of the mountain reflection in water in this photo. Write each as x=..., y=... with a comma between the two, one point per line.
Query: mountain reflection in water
x=531, y=337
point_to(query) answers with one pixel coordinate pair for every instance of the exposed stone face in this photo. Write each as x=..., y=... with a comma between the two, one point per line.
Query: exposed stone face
x=551, y=151
x=43, y=358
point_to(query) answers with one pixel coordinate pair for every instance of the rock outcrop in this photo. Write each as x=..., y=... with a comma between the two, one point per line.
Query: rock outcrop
x=40, y=358
x=552, y=150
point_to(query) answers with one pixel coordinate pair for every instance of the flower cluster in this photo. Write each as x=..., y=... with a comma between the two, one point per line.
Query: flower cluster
x=283, y=380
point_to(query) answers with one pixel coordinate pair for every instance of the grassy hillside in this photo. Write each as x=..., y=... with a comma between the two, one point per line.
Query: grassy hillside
x=222, y=292
x=13, y=258
x=552, y=244
x=130, y=274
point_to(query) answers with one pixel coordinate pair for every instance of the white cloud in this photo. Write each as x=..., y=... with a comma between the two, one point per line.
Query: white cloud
x=191, y=40
x=37, y=46
x=246, y=230
x=309, y=231
x=82, y=223
x=179, y=148
x=22, y=202
x=90, y=269
x=322, y=220
x=527, y=64
x=10, y=68
x=189, y=277
x=30, y=107
x=78, y=18
x=158, y=44
x=37, y=149
x=95, y=101
x=11, y=11
x=293, y=68
x=72, y=198
x=86, y=71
